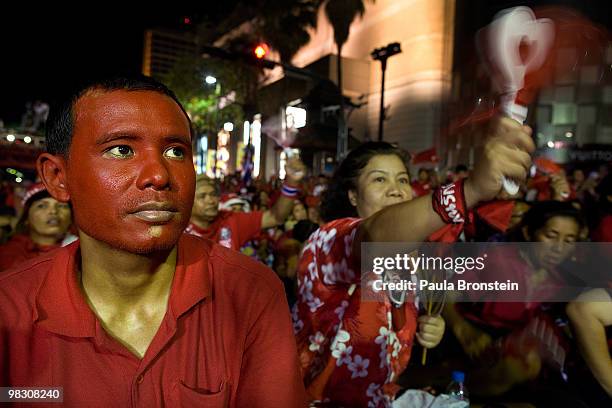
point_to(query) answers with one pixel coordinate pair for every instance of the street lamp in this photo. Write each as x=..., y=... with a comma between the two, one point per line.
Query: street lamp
x=228, y=126
x=382, y=54
x=210, y=80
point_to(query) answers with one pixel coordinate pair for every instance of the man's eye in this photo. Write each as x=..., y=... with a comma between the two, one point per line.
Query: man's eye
x=404, y=181
x=379, y=179
x=175, y=153
x=121, y=152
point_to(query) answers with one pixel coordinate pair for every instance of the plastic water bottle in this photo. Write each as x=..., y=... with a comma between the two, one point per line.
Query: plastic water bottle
x=456, y=389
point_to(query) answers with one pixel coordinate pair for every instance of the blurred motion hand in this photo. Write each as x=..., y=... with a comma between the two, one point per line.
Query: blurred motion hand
x=473, y=340
x=506, y=152
x=431, y=330
x=295, y=170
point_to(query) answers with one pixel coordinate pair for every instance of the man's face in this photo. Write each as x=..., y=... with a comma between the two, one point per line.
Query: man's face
x=206, y=203
x=578, y=176
x=423, y=176
x=130, y=170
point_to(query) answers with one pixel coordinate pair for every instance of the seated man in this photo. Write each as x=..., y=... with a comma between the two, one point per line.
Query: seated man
x=233, y=229
x=136, y=312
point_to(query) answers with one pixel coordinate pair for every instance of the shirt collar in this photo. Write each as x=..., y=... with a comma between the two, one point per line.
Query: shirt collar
x=191, y=282
x=62, y=308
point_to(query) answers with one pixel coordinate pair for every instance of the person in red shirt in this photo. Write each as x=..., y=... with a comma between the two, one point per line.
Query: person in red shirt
x=233, y=229
x=352, y=351
x=481, y=326
x=137, y=313
x=422, y=185
x=41, y=228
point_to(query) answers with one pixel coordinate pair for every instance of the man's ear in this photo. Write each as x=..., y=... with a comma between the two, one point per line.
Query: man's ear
x=52, y=171
x=352, y=196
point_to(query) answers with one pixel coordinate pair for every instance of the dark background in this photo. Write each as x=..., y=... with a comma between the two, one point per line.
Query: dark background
x=46, y=49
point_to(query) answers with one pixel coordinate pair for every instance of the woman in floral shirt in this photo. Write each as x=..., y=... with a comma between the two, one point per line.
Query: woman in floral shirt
x=352, y=351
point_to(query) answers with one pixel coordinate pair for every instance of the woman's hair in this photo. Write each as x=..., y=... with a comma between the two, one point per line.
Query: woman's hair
x=335, y=203
x=542, y=211
x=303, y=229
x=22, y=224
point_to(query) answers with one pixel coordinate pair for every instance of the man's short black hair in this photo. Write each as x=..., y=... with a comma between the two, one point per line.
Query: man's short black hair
x=60, y=123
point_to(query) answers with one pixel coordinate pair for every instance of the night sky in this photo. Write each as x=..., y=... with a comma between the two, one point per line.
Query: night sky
x=44, y=50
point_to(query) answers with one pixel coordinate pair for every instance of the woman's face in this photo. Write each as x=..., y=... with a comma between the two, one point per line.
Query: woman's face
x=299, y=212
x=49, y=218
x=558, y=235
x=382, y=182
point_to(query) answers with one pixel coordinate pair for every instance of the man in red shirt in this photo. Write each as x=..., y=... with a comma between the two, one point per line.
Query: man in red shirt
x=422, y=185
x=136, y=313
x=233, y=229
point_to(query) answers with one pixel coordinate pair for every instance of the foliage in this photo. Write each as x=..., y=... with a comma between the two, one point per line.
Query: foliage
x=285, y=24
x=341, y=14
x=187, y=80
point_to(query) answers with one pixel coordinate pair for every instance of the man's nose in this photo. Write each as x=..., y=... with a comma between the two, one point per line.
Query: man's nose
x=210, y=199
x=154, y=173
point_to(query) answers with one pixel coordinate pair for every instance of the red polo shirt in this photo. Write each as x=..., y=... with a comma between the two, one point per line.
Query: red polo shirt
x=226, y=338
x=230, y=229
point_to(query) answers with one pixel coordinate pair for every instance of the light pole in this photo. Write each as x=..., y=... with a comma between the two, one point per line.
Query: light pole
x=209, y=80
x=382, y=54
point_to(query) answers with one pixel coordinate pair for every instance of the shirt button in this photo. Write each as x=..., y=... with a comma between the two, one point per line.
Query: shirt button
x=139, y=379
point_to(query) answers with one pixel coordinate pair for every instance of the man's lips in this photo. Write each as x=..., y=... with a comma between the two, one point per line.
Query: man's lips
x=155, y=211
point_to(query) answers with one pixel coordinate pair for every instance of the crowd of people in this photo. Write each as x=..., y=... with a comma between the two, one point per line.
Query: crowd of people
x=130, y=267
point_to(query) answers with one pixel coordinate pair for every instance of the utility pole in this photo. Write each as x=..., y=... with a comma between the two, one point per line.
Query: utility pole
x=382, y=54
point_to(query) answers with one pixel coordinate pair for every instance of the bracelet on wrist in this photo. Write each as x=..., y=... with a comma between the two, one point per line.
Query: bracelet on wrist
x=289, y=191
x=448, y=201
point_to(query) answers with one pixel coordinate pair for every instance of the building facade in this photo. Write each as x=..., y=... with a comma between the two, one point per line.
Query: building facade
x=163, y=48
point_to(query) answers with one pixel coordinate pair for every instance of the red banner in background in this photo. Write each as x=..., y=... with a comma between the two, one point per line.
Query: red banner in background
x=426, y=156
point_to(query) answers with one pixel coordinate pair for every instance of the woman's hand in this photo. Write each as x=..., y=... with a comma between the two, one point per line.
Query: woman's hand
x=506, y=152
x=431, y=330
